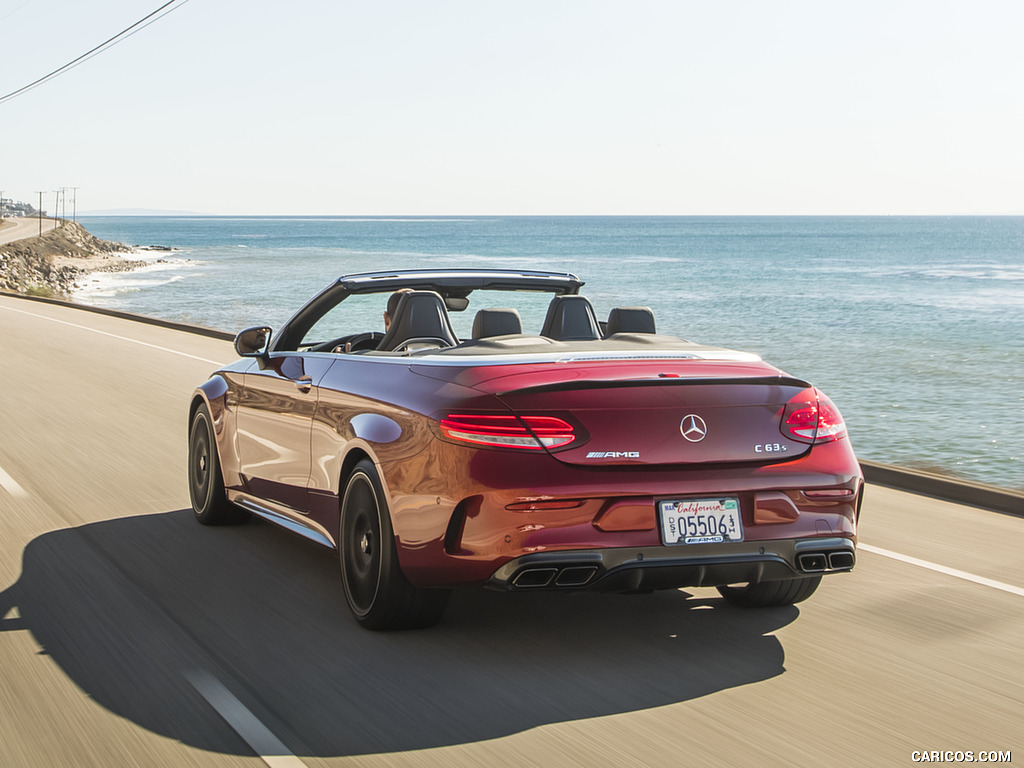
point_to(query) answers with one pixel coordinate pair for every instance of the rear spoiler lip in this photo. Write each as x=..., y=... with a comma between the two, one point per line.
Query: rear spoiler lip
x=668, y=381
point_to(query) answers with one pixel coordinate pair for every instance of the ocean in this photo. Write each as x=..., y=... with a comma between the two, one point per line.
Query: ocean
x=914, y=326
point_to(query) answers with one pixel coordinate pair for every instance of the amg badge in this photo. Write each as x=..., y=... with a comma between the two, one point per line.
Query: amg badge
x=613, y=455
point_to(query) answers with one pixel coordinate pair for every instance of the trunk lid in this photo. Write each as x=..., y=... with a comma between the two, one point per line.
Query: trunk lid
x=654, y=414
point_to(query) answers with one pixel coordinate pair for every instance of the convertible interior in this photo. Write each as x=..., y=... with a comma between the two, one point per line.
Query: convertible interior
x=421, y=325
x=430, y=314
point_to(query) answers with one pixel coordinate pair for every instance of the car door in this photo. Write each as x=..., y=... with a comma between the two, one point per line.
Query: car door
x=275, y=416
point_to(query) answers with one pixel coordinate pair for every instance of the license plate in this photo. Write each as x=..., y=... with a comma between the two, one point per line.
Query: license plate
x=700, y=521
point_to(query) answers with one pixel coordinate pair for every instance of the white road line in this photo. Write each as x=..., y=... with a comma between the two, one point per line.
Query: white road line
x=114, y=336
x=943, y=569
x=10, y=485
x=253, y=732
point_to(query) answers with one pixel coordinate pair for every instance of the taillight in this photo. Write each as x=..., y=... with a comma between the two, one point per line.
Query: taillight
x=532, y=433
x=828, y=494
x=818, y=421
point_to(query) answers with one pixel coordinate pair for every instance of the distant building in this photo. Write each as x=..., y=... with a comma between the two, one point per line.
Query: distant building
x=14, y=209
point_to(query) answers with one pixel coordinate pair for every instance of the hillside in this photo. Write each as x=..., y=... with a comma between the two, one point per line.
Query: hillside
x=52, y=263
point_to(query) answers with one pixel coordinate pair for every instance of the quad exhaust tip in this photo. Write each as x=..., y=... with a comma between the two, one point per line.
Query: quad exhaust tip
x=576, y=576
x=535, y=577
x=840, y=561
x=813, y=562
x=569, y=576
x=820, y=562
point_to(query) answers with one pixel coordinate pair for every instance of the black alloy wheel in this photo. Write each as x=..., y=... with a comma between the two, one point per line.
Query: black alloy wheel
x=205, y=483
x=360, y=539
x=378, y=593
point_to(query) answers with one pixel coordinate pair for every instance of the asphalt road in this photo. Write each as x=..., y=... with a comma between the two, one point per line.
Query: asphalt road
x=131, y=636
x=19, y=228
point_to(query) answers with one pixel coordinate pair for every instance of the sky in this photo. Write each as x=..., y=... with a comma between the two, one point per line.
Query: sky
x=575, y=107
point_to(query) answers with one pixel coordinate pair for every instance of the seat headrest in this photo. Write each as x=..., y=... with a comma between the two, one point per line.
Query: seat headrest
x=630, y=320
x=420, y=314
x=570, y=318
x=496, y=322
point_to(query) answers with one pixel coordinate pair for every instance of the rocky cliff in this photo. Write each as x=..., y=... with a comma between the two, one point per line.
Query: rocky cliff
x=50, y=264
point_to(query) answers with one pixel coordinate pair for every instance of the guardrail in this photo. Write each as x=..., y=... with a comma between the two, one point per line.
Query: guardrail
x=187, y=327
x=923, y=483
x=990, y=497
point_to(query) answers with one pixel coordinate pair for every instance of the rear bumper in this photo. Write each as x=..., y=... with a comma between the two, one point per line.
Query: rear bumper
x=634, y=569
x=464, y=516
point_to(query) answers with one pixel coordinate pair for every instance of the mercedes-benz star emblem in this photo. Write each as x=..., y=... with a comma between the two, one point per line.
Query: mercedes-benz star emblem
x=693, y=428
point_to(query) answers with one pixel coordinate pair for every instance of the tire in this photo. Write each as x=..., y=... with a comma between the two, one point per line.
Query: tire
x=768, y=594
x=205, y=482
x=378, y=594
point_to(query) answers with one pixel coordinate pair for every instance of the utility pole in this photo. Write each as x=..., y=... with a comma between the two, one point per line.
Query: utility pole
x=56, y=207
x=74, y=203
x=1, y=205
x=40, y=212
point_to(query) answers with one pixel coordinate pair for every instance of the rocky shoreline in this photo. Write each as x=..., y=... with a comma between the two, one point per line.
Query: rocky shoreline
x=52, y=264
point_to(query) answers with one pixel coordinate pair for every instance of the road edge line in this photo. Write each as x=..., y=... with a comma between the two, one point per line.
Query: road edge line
x=985, y=582
x=115, y=336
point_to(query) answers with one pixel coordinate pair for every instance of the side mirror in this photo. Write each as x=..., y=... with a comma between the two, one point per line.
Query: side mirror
x=253, y=342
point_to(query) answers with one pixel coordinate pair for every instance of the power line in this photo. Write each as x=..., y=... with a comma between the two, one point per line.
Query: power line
x=124, y=34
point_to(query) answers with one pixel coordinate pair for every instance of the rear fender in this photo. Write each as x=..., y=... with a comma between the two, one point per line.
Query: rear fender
x=354, y=452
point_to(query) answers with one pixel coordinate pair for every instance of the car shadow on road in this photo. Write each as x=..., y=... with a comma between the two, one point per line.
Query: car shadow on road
x=131, y=608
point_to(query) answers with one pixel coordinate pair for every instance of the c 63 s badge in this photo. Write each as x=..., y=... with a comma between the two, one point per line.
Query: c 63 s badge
x=613, y=455
x=770, y=448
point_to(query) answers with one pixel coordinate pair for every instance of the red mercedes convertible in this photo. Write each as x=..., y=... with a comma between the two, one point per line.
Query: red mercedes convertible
x=490, y=430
